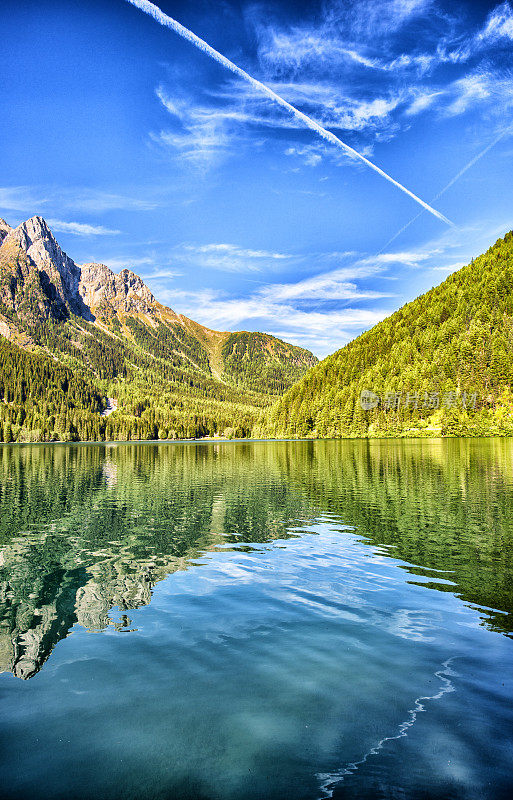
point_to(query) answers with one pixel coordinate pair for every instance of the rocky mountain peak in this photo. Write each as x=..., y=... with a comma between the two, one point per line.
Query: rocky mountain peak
x=36, y=239
x=126, y=292
x=34, y=233
x=4, y=229
x=32, y=250
x=37, y=226
x=135, y=285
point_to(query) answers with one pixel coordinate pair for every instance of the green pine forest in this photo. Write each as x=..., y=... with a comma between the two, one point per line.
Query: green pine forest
x=441, y=365
x=430, y=362
x=160, y=390
x=166, y=376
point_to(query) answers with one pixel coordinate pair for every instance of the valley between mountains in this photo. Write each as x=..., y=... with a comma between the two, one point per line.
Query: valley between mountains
x=86, y=354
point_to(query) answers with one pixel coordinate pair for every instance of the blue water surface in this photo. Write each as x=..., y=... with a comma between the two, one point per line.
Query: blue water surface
x=264, y=620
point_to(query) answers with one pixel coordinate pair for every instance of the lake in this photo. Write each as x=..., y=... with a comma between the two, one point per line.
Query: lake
x=252, y=620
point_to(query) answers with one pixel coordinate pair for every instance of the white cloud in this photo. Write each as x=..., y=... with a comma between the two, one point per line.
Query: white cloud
x=201, y=145
x=29, y=199
x=334, y=285
x=468, y=91
x=497, y=31
x=159, y=273
x=322, y=289
x=407, y=259
x=295, y=311
x=80, y=229
x=422, y=102
x=323, y=331
x=283, y=304
x=479, y=88
x=299, y=47
x=333, y=108
x=421, y=62
x=456, y=247
x=450, y=267
x=302, y=311
x=388, y=15
x=349, y=37
x=332, y=41
x=235, y=251
x=204, y=135
x=227, y=257
x=287, y=52
x=336, y=255
x=173, y=105
x=311, y=154
x=98, y=201
x=26, y=199
x=499, y=25
x=492, y=90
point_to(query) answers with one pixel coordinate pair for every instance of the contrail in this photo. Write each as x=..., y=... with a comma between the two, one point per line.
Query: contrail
x=462, y=171
x=185, y=33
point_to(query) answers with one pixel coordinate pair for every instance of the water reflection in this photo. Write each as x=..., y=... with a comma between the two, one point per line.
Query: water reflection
x=88, y=529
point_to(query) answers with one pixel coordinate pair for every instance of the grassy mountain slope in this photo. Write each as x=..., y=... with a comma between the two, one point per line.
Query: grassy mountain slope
x=451, y=343
x=171, y=377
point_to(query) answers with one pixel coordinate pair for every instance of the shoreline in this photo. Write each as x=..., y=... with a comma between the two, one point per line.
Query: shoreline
x=113, y=442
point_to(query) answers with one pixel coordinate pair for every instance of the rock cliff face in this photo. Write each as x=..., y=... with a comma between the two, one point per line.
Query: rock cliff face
x=39, y=282
x=24, y=289
x=35, y=238
x=29, y=630
x=4, y=229
x=35, y=271
x=37, y=279
x=101, y=290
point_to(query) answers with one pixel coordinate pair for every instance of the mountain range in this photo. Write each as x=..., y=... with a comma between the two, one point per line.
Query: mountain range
x=75, y=335
x=87, y=354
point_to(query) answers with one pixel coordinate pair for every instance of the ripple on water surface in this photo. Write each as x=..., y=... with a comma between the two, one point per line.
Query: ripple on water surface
x=303, y=620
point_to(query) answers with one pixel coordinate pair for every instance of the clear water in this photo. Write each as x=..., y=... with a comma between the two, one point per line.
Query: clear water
x=257, y=620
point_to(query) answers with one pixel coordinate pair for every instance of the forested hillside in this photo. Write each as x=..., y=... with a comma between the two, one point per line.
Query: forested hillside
x=262, y=362
x=441, y=365
x=73, y=336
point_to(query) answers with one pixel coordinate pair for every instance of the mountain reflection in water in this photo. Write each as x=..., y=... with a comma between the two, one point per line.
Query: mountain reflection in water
x=85, y=529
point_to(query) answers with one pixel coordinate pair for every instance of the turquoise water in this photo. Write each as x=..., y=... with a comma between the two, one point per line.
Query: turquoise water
x=257, y=620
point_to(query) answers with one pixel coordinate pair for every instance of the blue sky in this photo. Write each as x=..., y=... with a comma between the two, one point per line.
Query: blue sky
x=141, y=151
